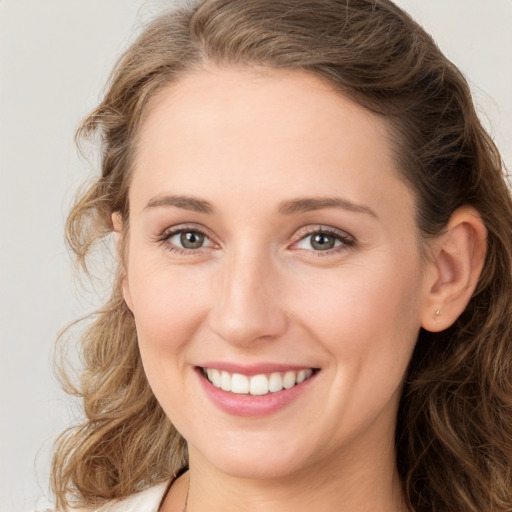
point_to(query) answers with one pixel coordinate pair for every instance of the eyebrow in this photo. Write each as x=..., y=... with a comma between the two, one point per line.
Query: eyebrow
x=291, y=207
x=185, y=202
x=308, y=204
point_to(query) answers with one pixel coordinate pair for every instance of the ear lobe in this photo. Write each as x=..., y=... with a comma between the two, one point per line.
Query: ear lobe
x=117, y=226
x=457, y=264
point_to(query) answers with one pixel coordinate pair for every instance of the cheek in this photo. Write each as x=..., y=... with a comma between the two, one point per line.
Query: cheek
x=384, y=299
x=168, y=306
x=368, y=319
x=369, y=328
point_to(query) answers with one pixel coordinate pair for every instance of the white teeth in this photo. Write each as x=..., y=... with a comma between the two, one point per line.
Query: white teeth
x=225, y=381
x=289, y=380
x=239, y=384
x=215, y=378
x=275, y=383
x=301, y=376
x=260, y=384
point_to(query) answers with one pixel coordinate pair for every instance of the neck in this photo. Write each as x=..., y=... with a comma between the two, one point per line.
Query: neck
x=314, y=493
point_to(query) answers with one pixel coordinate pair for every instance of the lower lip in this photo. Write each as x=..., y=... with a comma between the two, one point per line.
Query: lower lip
x=252, y=405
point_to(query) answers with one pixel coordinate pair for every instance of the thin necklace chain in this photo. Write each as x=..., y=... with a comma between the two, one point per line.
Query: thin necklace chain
x=184, y=509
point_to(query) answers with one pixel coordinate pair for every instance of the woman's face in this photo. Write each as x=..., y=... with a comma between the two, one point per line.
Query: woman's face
x=271, y=240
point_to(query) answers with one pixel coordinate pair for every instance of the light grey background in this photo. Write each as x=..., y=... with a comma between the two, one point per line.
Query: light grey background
x=54, y=59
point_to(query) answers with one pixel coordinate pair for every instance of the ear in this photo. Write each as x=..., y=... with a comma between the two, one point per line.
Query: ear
x=117, y=226
x=456, y=265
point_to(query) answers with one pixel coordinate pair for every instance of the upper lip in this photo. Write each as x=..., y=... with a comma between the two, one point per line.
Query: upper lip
x=253, y=369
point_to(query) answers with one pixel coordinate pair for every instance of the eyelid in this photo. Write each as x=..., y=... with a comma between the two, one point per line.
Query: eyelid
x=347, y=240
x=169, y=232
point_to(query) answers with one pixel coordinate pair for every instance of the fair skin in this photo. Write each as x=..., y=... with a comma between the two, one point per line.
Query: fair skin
x=270, y=232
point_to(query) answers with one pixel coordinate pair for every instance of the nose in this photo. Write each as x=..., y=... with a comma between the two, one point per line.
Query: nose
x=248, y=308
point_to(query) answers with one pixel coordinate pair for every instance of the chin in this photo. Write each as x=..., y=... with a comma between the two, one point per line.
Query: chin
x=259, y=460
x=257, y=468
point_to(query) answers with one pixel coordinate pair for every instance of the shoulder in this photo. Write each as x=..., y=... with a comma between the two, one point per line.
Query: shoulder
x=145, y=501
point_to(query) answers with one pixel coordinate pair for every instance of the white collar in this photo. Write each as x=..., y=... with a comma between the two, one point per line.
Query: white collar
x=145, y=501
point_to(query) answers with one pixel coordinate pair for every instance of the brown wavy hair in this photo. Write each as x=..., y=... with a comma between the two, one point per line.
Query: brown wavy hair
x=454, y=431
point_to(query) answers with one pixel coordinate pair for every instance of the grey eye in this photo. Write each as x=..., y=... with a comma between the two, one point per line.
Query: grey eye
x=191, y=239
x=322, y=241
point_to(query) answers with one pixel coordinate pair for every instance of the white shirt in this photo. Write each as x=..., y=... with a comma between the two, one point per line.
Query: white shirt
x=145, y=501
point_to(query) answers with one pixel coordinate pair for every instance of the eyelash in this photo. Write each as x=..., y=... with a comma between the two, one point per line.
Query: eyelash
x=169, y=233
x=347, y=241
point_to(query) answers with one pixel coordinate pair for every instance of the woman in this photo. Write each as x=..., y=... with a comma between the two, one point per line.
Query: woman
x=312, y=309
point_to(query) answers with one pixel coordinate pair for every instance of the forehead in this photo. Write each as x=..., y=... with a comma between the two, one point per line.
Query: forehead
x=271, y=131
x=279, y=104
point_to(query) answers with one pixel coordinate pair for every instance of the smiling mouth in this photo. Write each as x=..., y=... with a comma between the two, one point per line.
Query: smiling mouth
x=258, y=385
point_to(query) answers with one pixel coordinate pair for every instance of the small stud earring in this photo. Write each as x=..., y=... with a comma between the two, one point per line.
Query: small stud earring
x=437, y=313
